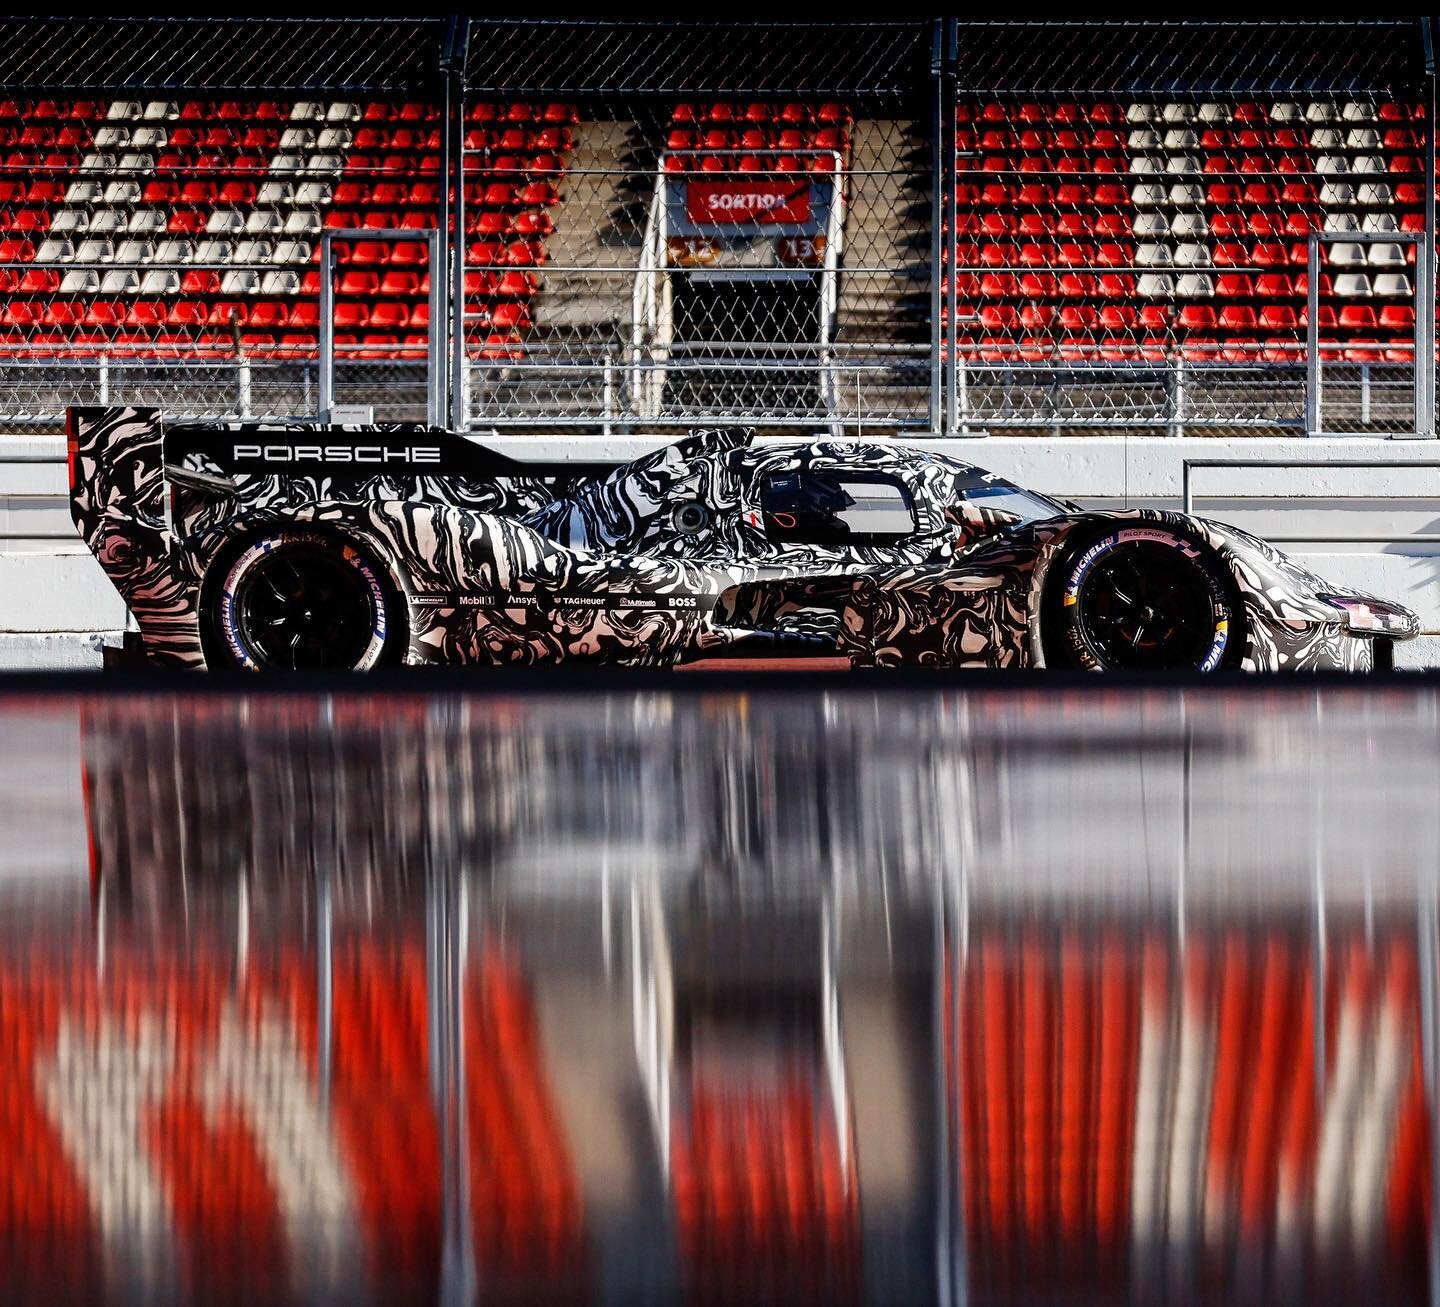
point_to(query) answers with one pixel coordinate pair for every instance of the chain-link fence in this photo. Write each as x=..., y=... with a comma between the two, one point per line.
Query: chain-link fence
x=1132, y=218
x=736, y=223
x=918, y=224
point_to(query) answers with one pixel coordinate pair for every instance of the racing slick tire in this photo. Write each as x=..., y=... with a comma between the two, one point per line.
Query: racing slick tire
x=301, y=600
x=1142, y=598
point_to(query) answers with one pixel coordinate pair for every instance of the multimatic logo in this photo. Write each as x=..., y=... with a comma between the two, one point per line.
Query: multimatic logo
x=332, y=454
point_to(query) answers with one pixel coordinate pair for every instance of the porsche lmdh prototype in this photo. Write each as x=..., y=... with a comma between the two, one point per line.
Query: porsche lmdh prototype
x=292, y=546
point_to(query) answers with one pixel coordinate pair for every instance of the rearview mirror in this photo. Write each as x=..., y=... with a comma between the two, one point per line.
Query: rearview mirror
x=976, y=521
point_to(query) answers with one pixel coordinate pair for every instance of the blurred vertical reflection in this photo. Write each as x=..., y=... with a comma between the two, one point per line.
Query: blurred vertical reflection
x=702, y=997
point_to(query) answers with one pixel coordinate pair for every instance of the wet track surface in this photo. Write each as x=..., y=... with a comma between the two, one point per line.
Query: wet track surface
x=806, y=991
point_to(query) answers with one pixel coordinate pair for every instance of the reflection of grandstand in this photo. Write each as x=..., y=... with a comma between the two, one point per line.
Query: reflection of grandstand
x=254, y=1161
x=1135, y=1112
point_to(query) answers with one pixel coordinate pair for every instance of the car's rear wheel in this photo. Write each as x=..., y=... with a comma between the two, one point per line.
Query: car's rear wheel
x=1142, y=599
x=302, y=601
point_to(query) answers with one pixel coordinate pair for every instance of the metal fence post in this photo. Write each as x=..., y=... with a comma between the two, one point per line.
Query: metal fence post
x=937, y=226
x=1425, y=261
x=1312, y=337
x=947, y=175
x=452, y=226
x=327, y=327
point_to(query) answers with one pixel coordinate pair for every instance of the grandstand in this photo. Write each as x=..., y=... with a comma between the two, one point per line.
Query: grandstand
x=1107, y=228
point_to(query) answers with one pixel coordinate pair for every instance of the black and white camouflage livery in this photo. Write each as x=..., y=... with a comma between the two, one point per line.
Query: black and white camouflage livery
x=661, y=562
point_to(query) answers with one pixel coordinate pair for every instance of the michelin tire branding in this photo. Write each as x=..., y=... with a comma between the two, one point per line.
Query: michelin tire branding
x=228, y=622
x=1075, y=640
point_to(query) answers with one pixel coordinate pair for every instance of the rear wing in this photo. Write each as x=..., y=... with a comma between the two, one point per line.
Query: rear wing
x=125, y=462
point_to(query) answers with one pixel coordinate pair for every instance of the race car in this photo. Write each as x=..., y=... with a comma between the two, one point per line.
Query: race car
x=290, y=546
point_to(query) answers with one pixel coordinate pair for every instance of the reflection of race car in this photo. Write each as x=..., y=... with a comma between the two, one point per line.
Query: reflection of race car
x=292, y=546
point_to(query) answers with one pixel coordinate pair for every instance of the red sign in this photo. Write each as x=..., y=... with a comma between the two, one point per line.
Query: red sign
x=748, y=202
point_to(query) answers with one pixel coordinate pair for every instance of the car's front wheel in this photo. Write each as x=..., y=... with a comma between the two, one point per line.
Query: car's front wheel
x=1142, y=598
x=301, y=601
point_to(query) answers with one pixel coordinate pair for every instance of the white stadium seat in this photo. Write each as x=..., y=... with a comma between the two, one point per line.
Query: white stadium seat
x=1195, y=286
x=174, y=250
x=82, y=281
x=1352, y=286
x=1393, y=285
x=212, y=251
x=69, y=221
x=151, y=222
x=303, y=222
x=259, y=222
x=225, y=220
x=120, y=281
x=160, y=281
x=282, y=282
x=1347, y=254
x=240, y=282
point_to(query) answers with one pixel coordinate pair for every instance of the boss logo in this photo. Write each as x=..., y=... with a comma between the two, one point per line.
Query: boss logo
x=336, y=454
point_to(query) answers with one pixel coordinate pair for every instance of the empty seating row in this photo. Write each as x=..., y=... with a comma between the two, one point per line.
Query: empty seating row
x=1069, y=140
x=1156, y=317
x=1182, y=195
x=1250, y=113
x=1190, y=222
x=790, y=114
x=1182, y=164
x=1114, y=254
x=757, y=138
x=275, y=111
x=998, y=285
x=226, y=312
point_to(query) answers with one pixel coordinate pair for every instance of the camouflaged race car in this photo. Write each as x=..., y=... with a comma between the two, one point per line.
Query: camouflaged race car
x=292, y=546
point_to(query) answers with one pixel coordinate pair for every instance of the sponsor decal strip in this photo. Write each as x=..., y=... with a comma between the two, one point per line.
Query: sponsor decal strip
x=566, y=599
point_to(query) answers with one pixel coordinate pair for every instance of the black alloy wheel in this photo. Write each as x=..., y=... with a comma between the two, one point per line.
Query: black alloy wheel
x=1146, y=606
x=304, y=606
